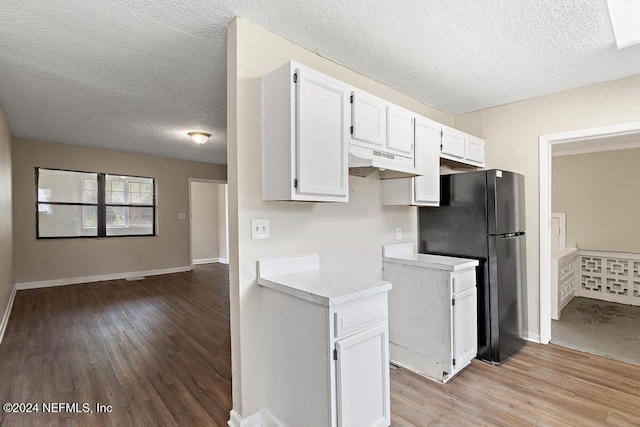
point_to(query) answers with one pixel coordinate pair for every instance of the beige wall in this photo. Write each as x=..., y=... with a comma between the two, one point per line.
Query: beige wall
x=204, y=221
x=512, y=131
x=41, y=260
x=599, y=194
x=348, y=237
x=6, y=233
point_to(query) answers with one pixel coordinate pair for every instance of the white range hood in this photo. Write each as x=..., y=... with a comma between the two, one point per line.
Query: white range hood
x=364, y=162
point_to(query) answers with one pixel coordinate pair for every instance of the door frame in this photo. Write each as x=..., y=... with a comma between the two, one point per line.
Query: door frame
x=210, y=181
x=546, y=144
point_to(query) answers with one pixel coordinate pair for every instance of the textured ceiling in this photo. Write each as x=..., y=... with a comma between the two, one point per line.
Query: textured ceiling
x=137, y=75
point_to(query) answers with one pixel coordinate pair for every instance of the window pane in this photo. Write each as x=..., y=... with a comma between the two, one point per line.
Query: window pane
x=66, y=221
x=65, y=186
x=90, y=187
x=129, y=190
x=117, y=216
x=114, y=189
x=122, y=220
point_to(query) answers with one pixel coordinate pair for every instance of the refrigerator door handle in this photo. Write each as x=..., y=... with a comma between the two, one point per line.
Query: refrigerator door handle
x=511, y=235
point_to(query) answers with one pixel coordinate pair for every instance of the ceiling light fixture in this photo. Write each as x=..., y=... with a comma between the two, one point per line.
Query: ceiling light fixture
x=199, y=137
x=625, y=18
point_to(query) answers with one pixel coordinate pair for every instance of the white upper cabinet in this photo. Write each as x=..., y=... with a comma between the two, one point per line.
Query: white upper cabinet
x=427, y=186
x=422, y=190
x=400, y=130
x=305, y=135
x=462, y=147
x=474, y=150
x=452, y=142
x=368, y=119
x=379, y=124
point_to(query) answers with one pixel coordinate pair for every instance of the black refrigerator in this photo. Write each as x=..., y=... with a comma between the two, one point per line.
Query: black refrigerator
x=482, y=216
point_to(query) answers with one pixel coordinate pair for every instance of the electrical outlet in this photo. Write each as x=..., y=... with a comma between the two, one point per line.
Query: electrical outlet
x=398, y=233
x=182, y=215
x=260, y=229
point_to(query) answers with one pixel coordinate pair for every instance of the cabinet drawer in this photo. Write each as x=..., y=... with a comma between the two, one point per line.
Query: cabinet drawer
x=463, y=280
x=360, y=316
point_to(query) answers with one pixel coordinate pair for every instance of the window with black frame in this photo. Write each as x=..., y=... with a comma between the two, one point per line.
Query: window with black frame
x=73, y=204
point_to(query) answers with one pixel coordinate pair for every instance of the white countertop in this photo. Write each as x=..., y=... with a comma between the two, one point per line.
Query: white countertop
x=433, y=261
x=402, y=253
x=302, y=277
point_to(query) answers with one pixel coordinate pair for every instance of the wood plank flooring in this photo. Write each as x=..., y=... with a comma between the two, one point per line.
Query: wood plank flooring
x=158, y=351
x=541, y=386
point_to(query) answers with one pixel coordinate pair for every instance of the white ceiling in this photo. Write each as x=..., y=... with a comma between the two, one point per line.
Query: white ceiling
x=137, y=75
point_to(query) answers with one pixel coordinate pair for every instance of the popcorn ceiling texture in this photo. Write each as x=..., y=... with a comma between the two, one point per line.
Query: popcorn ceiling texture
x=137, y=75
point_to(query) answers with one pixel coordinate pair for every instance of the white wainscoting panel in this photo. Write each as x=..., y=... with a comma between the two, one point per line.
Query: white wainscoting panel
x=610, y=276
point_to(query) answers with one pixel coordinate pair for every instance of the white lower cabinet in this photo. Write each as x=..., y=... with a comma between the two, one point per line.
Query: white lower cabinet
x=465, y=339
x=432, y=312
x=326, y=358
x=362, y=371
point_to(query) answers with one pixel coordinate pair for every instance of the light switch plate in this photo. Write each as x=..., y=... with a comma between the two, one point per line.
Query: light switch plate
x=398, y=233
x=260, y=229
x=182, y=215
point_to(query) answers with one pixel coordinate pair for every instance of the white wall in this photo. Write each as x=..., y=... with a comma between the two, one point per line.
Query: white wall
x=204, y=222
x=7, y=289
x=348, y=237
x=223, y=224
x=512, y=139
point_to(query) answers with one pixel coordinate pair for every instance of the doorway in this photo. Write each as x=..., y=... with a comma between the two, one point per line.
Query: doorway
x=208, y=222
x=619, y=136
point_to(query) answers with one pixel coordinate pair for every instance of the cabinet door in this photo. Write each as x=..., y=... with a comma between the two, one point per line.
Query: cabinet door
x=362, y=379
x=400, y=131
x=322, y=115
x=427, y=158
x=474, y=149
x=452, y=142
x=369, y=119
x=464, y=325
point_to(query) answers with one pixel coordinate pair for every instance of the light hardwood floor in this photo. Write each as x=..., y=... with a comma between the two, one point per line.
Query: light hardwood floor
x=158, y=351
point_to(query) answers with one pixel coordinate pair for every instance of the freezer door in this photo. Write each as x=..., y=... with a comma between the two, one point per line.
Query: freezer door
x=508, y=282
x=459, y=226
x=506, y=205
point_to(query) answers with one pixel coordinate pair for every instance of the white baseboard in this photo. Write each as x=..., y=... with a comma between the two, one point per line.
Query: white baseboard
x=100, y=278
x=7, y=312
x=269, y=420
x=205, y=261
x=210, y=261
x=235, y=420
x=532, y=337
